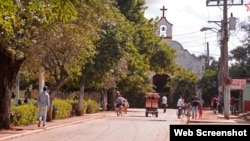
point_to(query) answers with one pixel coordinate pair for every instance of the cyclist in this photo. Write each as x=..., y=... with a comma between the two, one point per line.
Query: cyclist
x=119, y=102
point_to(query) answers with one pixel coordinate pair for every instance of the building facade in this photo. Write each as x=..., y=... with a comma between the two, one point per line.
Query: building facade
x=184, y=58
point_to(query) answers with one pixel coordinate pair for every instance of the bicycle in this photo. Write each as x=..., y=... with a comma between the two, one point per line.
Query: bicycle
x=179, y=112
x=188, y=113
x=119, y=111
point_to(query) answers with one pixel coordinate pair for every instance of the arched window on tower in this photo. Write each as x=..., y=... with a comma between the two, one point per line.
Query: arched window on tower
x=163, y=31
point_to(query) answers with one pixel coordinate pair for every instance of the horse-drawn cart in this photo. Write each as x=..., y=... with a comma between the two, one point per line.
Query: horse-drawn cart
x=152, y=104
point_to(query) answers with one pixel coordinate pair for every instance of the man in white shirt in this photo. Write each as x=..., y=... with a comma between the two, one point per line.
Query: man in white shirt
x=164, y=103
x=179, y=106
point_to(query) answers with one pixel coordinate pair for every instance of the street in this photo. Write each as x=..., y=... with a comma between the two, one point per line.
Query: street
x=133, y=126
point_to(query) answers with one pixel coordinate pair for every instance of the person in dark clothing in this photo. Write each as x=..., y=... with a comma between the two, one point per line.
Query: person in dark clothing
x=195, y=105
x=214, y=103
x=13, y=95
x=27, y=96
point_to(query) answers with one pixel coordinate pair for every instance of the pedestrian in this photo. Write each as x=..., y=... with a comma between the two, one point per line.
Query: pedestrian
x=27, y=96
x=195, y=105
x=179, y=106
x=214, y=103
x=43, y=103
x=200, y=110
x=164, y=103
x=220, y=104
x=232, y=105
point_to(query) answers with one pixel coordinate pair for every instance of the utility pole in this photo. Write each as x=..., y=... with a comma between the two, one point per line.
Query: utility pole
x=224, y=52
x=225, y=62
x=208, y=58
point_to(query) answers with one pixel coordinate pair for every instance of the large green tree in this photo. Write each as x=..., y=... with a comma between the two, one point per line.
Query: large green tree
x=209, y=86
x=19, y=23
x=240, y=56
x=183, y=83
x=241, y=67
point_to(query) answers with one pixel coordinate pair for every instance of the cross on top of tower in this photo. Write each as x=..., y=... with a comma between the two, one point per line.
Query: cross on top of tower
x=163, y=11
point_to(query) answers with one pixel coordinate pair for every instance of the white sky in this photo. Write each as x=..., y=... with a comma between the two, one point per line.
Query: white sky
x=189, y=16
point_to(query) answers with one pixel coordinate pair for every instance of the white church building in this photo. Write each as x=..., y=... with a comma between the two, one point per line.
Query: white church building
x=184, y=58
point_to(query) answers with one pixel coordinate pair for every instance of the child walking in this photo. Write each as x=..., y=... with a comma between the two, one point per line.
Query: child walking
x=200, y=110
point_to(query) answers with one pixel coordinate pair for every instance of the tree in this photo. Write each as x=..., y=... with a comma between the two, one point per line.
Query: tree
x=240, y=68
x=241, y=55
x=209, y=86
x=133, y=10
x=63, y=48
x=183, y=83
x=19, y=23
x=151, y=54
x=112, y=47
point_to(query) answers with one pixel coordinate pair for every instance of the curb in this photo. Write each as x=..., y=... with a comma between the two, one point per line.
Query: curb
x=212, y=121
x=27, y=132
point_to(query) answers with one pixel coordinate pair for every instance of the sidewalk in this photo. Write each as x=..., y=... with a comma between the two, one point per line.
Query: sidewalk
x=29, y=129
x=210, y=117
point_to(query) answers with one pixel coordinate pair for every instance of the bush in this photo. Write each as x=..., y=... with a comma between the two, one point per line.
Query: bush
x=91, y=106
x=62, y=108
x=27, y=114
x=24, y=114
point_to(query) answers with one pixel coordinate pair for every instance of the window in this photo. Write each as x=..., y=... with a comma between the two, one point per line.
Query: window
x=163, y=31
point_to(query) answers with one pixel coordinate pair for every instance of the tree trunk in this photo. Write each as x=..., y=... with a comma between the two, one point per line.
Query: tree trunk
x=52, y=93
x=80, y=99
x=50, y=110
x=105, y=99
x=9, y=68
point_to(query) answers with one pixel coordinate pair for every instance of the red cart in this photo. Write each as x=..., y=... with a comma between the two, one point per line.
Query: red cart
x=152, y=104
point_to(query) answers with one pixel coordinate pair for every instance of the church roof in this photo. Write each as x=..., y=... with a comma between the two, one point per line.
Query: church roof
x=165, y=20
x=163, y=17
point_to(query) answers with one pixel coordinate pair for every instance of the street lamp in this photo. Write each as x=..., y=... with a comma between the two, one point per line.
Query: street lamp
x=210, y=28
x=205, y=28
x=214, y=30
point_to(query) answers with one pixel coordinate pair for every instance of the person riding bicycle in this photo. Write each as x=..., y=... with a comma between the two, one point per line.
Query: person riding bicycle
x=119, y=100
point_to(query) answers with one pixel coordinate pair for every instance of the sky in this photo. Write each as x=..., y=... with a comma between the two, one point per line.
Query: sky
x=189, y=16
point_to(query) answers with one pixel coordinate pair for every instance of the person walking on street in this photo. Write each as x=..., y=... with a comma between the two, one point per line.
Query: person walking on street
x=43, y=102
x=195, y=105
x=200, y=110
x=179, y=106
x=164, y=103
x=214, y=103
x=232, y=105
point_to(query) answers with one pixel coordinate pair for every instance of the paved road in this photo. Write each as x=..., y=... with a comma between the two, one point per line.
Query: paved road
x=106, y=126
x=133, y=126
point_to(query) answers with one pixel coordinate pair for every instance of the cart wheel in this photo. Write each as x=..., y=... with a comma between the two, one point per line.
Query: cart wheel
x=156, y=114
x=146, y=114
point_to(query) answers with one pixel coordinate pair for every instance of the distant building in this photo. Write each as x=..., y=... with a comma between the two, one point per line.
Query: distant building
x=184, y=58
